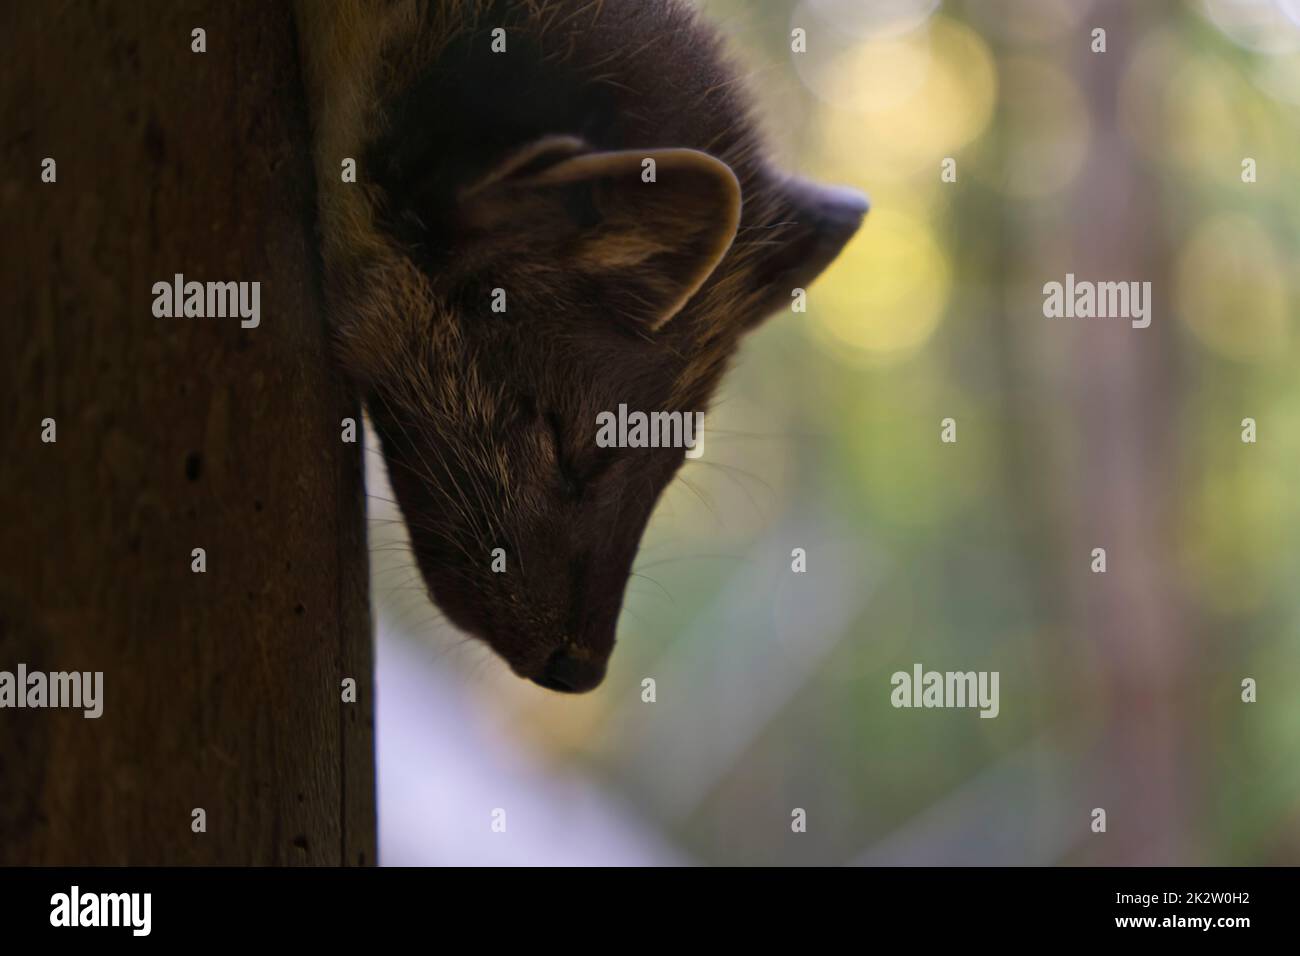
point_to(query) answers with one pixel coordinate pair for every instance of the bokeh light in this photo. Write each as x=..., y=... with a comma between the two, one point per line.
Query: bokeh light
x=889, y=294
x=1232, y=291
x=896, y=106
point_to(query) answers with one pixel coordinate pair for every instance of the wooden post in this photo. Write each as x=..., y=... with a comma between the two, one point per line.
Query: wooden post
x=221, y=689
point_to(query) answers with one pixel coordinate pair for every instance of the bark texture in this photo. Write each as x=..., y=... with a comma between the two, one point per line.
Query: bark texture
x=221, y=689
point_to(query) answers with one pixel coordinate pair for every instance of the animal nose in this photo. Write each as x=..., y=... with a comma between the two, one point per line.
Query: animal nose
x=570, y=673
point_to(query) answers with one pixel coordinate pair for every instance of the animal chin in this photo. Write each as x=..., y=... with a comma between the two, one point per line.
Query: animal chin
x=461, y=612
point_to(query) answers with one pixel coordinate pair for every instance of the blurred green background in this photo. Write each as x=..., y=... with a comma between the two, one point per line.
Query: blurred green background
x=1119, y=690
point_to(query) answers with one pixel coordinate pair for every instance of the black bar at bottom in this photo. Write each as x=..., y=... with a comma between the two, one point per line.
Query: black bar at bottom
x=334, y=906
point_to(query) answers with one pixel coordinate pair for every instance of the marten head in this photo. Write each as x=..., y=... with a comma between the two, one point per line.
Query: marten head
x=543, y=265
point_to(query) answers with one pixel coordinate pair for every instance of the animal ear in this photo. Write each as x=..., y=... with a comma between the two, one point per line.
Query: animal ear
x=638, y=230
x=818, y=222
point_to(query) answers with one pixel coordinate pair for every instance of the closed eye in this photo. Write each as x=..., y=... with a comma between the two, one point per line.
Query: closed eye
x=572, y=483
x=577, y=476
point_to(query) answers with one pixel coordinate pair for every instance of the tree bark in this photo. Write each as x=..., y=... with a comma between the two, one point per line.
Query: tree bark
x=221, y=689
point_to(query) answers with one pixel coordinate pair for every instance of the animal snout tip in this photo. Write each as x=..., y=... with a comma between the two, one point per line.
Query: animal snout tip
x=571, y=671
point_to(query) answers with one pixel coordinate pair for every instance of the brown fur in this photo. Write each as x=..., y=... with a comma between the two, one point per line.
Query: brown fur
x=520, y=171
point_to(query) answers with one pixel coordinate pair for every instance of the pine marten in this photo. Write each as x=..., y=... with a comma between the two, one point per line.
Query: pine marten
x=508, y=265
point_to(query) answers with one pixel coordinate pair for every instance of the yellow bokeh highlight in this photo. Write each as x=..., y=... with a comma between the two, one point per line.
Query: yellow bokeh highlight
x=1231, y=289
x=1202, y=108
x=887, y=292
x=1233, y=552
x=1194, y=112
x=895, y=106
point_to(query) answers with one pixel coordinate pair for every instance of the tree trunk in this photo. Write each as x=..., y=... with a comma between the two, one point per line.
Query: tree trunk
x=221, y=689
x=1121, y=382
